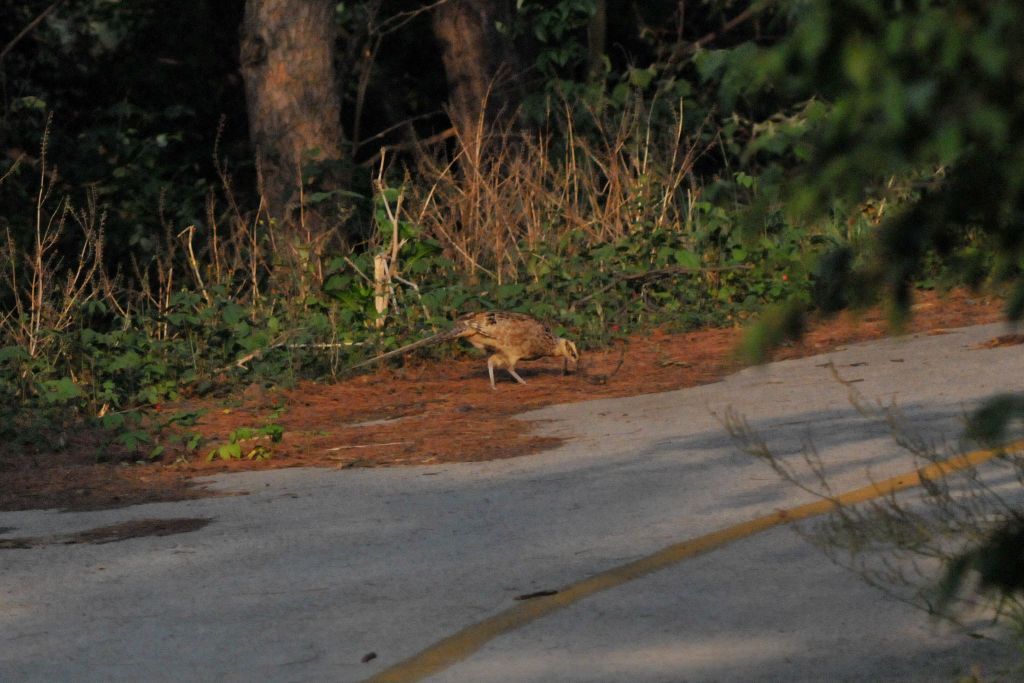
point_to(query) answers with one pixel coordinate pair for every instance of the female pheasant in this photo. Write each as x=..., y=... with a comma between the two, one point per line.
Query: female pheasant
x=509, y=337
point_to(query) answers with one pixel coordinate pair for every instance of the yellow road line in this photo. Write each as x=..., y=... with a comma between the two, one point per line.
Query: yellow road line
x=462, y=644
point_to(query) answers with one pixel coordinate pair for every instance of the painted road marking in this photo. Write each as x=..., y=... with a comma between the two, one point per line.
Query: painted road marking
x=464, y=643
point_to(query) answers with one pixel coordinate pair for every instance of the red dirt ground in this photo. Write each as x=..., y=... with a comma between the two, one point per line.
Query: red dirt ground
x=430, y=411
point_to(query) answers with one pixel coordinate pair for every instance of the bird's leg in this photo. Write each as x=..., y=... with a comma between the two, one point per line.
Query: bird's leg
x=515, y=374
x=490, y=370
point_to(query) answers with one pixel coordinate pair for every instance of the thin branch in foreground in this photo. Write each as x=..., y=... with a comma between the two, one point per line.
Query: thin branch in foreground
x=32, y=26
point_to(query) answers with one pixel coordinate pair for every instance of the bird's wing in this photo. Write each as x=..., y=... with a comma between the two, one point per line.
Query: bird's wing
x=496, y=324
x=478, y=327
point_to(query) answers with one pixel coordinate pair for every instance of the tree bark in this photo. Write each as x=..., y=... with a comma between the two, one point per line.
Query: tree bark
x=480, y=65
x=287, y=60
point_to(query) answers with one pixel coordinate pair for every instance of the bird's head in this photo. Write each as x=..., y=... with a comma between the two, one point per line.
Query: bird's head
x=567, y=350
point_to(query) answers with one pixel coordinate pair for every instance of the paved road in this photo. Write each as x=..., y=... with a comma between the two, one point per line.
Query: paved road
x=313, y=570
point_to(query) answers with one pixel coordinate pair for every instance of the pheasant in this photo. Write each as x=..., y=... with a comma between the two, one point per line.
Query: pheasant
x=510, y=337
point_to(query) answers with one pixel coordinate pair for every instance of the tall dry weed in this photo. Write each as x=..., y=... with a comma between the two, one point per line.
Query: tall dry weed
x=504, y=193
x=44, y=285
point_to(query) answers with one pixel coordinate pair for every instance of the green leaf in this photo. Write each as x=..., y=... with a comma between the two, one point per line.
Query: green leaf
x=1015, y=302
x=778, y=323
x=989, y=423
x=710, y=63
x=228, y=451
x=233, y=314
x=61, y=390
x=241, y=434
x=641, y=78
x=129, y=360
x=620, y=93
x=28, y=102
x=275, y=432
x=133, y=439
x=113, y=421
x=859, y=61
x=10, y=354
x=687, y=259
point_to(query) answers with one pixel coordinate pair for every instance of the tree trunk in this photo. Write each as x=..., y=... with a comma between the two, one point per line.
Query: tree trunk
x=287, y=60
x=480, y=66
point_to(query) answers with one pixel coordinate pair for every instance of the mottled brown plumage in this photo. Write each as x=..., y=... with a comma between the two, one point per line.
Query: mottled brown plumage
x=509, y=337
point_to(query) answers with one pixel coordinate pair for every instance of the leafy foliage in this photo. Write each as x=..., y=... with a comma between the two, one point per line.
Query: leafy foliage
x=996, y=561
x=907, y=113
x=236, y=447
x=142, y=147
x=918, y=106
x=990, y=423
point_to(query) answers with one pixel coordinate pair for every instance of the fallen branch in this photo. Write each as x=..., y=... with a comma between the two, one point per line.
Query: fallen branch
x=253, y=355
x=258, y=353
x=368, y=445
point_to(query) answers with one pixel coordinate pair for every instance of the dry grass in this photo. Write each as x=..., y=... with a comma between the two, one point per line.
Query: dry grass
x=44, y=287
x=504, y=194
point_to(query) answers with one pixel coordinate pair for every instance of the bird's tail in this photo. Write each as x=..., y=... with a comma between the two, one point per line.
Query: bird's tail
x=433, y=339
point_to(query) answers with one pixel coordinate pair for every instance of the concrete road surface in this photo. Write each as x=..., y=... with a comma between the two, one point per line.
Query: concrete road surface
x=314, y=571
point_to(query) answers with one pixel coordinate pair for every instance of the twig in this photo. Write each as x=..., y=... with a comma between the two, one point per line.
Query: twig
x=361, y=87
x=13, y=168
x=603, y=379
x=415, y=288
x=400, y=124
x=356, y=268
x=740, y=18
x=32, y=25
x=400, y=19
x=324, y=345
x=191, y=231
x=433, y=139
x=258, y=353
x=252, y=355
x=368, y=445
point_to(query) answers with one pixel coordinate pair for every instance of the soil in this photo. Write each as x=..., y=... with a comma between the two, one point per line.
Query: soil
x=430, y=412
